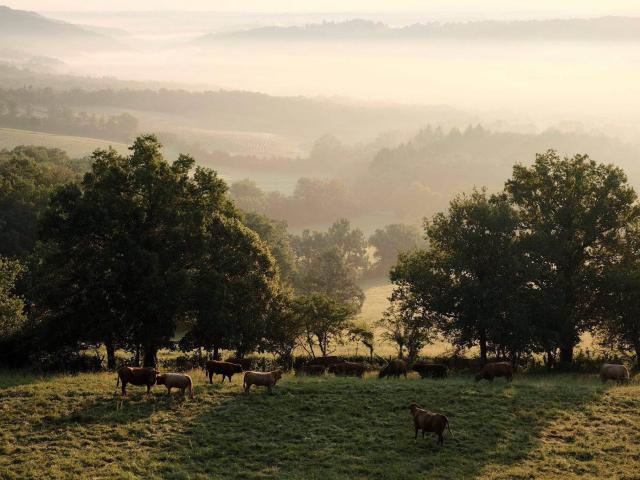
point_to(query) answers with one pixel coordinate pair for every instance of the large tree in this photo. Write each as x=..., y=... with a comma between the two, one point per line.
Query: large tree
x=121, y=250
x=468, y=275
x=573, y=212
x=619, y=298
x=325, y=322
x=235, y=283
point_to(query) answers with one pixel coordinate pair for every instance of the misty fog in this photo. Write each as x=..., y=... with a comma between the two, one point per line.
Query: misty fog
x=436, y=101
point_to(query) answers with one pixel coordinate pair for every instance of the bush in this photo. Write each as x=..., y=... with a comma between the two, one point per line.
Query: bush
x=68, y=360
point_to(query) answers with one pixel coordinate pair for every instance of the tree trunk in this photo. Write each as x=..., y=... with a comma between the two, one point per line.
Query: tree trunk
x=566, y=354
x=150, y=356
x=549, y=360
x=111, y=354
x=216, y=352
x=483, y=346
x=137, y=357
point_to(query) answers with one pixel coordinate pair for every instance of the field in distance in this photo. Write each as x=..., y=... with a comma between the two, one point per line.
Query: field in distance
x=76, y=147
x=561, y=426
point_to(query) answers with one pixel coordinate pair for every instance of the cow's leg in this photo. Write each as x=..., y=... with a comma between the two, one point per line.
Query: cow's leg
x=210, y=377
x=416, y=437
x=440, y=439
x=148, y=390
x=124, y=389
x=169, y=391
x=423, y=433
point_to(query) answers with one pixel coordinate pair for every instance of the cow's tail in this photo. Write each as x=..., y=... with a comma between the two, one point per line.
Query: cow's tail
x=448, y=427
x=190, y=387
x=117, y=384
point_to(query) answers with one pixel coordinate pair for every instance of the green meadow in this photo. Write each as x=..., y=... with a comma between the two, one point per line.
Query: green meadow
x=561, y=426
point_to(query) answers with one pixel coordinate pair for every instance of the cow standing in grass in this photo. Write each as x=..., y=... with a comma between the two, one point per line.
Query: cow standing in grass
x=136, y=376
x=394, y=368
x=226, y=369
x=261, y=379
x=615, y=372
x=429, y=422
x=433, y=370
x=348, y=369
x=176, y=380
x=493, y=370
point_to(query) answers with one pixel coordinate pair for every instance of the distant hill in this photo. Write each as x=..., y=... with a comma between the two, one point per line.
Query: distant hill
x=34, y=32
x=591, y=29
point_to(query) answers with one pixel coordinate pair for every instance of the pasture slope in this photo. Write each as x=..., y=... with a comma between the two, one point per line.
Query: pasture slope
x=326, y=428
x=76, y=147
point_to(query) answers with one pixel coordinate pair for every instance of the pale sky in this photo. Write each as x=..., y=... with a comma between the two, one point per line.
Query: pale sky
x=471, y=8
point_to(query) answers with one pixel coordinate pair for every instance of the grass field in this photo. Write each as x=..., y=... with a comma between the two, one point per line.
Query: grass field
x=76, y=147
x=536, y=427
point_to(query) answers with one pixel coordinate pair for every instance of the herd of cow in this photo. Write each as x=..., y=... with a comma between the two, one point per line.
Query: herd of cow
x=423, y=420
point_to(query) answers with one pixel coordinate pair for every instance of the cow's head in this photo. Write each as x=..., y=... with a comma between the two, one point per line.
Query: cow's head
x=161, y=379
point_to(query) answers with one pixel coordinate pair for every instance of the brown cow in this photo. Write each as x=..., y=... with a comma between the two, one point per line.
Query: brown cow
x=226, y=369
x=176, y=380
x=261, y=379
x=433, y=370
x=493, y=370
x=612, y=371
x=311, y=370
x=347, y=369
x=136, y=376
x=429, y=422
x=325, y=361
x=246, y=363
x=394, y=368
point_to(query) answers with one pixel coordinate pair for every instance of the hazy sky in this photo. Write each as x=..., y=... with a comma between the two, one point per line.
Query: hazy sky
x=471, y=8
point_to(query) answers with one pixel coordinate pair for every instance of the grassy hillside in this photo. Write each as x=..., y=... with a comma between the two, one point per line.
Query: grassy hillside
x=537, y=427
x=76, y=147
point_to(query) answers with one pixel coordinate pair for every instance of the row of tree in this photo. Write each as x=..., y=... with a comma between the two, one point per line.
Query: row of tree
x=528, y=269
x=138, y=249
x=63, y=120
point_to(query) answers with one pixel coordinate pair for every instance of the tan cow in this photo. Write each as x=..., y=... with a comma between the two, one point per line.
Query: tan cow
x=261, y=379
x=176, y=380
x=612, y=371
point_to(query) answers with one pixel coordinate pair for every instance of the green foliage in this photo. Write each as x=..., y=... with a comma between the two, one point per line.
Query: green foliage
x=28, y=176
x=392, y=240
x=619, y=313
x=573, y=213
x=468, y=279
x=325, y=321
x=235, y=282
x=312, y=201
x=11, y=306
x=330, y=263
x=274, y=234
x=125, y=251
x=407, y=324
